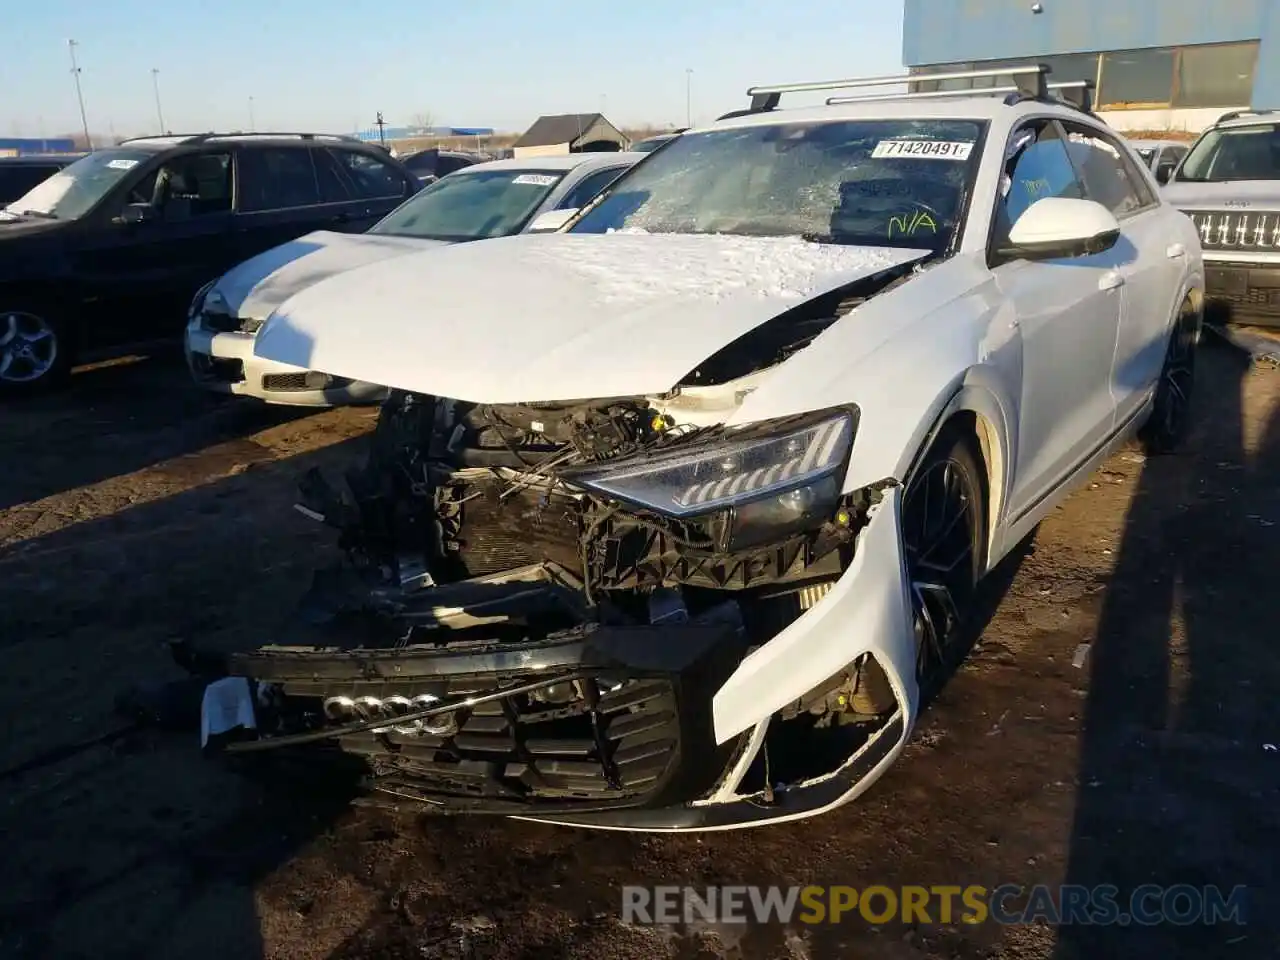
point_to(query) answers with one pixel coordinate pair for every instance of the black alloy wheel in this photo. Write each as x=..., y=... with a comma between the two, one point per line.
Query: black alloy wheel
x=944, y=537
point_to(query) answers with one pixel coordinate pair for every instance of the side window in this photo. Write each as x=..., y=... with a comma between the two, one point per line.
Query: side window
x=1036, y=166
x=370, y=177
x=1107, y=172
x=277, y=178
x=329, y=177
x=192, y=185
x=584, y=191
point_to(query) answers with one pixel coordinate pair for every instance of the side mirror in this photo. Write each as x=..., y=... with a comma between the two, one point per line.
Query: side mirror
x=1058, y=227
x=552, y=220
x=1164, y=171
x=135, y=213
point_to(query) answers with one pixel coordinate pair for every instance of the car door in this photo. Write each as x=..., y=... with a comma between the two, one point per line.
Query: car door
x=145, y=273
x=1151, y=268
x=377, y=187
x=278, y=197
x=1067, y=312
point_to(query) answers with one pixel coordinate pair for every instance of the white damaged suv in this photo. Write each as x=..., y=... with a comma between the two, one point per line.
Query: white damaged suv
x=674, y=518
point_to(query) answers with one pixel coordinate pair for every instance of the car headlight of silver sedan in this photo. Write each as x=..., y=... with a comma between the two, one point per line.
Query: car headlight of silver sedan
x=198, y=301
x=762, y=481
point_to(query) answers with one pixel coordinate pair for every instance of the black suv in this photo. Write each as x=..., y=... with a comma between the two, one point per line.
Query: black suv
x=113, y=249
x=20, y=174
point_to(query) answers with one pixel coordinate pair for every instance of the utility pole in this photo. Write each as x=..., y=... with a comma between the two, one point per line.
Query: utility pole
x=155, y=82
x=688, y=96
x=382, y=127
x=253, y=124
x=75, y=73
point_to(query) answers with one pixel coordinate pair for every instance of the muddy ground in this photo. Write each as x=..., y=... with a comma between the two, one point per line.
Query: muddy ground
x=135, y=510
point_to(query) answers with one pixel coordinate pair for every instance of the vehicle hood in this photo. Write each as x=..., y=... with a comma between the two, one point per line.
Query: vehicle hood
x=29, y=227
x=1230, y=194
x=556, y=316
x=254, y=288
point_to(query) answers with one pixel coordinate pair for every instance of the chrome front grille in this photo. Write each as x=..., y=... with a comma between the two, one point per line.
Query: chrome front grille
x=1231, y=230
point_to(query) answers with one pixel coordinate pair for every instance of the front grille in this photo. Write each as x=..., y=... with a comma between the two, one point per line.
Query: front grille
x=1231, y=230
x=544, y=746
x=295, y=382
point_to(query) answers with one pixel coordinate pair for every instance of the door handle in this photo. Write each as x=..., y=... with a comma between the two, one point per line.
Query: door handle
x=341, y=217
x=1111, y=280
x=1175, y=250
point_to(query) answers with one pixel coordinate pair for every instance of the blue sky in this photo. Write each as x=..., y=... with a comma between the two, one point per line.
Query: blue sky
x=326, y=65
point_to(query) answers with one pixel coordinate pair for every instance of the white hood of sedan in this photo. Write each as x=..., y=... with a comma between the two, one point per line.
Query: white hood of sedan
x=256, y=287
x=557, y=316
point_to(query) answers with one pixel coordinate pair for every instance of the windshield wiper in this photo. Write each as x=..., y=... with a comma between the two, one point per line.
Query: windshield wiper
x=41, y=214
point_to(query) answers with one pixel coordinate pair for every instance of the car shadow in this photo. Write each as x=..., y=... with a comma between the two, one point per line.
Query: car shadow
x=122, y=840
x=115, y=418
x=1176, y=783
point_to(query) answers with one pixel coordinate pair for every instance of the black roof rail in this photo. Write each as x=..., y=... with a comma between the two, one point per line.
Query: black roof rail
x=1030, y=79
x=186, y=138
x=1237, y=114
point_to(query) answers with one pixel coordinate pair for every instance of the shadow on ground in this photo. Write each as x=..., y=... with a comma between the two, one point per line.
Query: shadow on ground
x=1177, y=784
x=116, y=418
x=124, y=842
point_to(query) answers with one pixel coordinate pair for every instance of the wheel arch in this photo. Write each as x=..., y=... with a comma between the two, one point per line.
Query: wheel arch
x=975, y=408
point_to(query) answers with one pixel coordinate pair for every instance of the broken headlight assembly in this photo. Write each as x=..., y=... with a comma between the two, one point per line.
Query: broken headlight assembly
x=755, y=483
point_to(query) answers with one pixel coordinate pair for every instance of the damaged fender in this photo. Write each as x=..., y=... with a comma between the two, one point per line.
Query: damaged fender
x=867, y=611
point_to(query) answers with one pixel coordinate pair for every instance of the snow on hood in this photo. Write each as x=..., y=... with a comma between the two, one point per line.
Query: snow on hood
x=1247, y=194
x=260, y=284
x=556, y=316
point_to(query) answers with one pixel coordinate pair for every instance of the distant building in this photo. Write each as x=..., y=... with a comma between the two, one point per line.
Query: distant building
x=565, y=133
x=23, y=146
x=1157, y=64
x=371, y=135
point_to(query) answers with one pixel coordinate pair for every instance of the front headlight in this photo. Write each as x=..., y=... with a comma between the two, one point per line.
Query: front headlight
x=775, y=460
x=197, y=302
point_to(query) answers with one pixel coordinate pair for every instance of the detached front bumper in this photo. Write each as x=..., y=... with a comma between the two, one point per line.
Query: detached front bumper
x=660, y=727
x=224, y=362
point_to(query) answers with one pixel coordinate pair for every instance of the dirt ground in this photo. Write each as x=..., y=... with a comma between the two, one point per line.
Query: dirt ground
x=135, y=510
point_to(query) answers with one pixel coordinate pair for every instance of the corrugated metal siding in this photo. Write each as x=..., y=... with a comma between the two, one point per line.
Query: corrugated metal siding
x=948, y=31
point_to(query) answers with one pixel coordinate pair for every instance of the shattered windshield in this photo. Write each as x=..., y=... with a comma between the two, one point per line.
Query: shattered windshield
x=1235, y=153
x=472, y=205
x=72, y=192
x=899, y=183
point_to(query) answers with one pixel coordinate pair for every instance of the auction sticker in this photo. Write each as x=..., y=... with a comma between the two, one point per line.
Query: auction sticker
x=924, y=149
x=122, y=164
x=535, y=179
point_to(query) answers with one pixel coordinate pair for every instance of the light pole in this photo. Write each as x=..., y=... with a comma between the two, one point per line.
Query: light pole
x=688, y=96
x=253, y=124
x=155, y=83
x=75, y=73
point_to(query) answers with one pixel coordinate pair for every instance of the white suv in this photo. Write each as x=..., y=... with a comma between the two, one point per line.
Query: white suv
x=675, y=517
x=1229, y=184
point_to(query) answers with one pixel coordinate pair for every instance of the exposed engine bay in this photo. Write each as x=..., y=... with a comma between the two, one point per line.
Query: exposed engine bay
x=538, y=600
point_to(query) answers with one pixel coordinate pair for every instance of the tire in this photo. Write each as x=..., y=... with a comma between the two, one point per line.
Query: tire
x=944, y=524
x=1170, y=416
x=35, y=348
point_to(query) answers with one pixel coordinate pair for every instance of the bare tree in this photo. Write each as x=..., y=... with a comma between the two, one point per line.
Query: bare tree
x=423, y=120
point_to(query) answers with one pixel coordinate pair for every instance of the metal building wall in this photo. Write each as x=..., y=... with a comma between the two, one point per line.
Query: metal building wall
x=947, y=31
